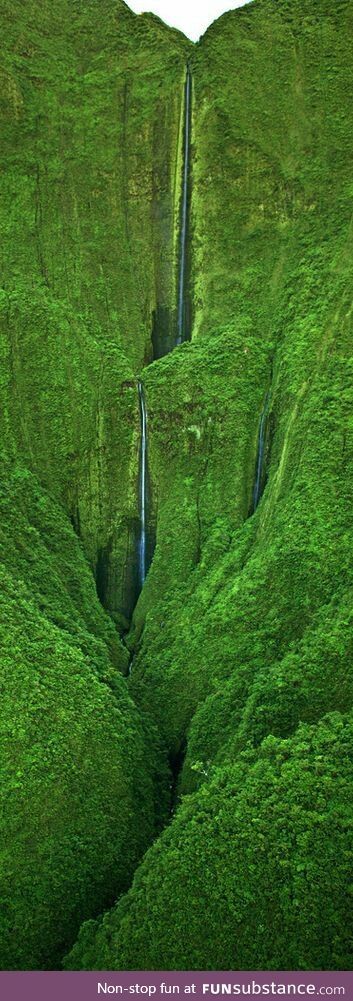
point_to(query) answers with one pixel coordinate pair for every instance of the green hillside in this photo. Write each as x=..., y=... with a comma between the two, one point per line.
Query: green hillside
x=233, y=730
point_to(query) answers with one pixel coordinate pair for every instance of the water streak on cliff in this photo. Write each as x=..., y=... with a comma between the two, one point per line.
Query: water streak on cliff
x=258, y=486
x=182, y=326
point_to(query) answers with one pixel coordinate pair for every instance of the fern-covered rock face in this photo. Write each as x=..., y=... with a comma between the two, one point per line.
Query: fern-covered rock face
x=242, y=635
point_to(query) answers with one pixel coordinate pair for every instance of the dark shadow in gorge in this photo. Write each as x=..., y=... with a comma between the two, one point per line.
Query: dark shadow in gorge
x=176, y=761
x=117, y=580
x=171, y=327
x=163, y=332
x=264, y=449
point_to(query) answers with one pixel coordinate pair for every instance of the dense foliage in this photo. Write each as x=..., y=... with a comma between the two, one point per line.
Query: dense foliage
x=242, y=637
x=254, y=871
x=75, y=765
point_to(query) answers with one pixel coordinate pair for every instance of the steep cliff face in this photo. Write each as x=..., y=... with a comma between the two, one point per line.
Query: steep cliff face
x=242, y=634
x=243, y=629
x=271, y=214
x=92, y=139
x=91, y=111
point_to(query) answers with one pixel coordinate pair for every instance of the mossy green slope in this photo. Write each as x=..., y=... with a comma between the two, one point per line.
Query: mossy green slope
x=243, y=629
x=253, y=872
x=77, y=761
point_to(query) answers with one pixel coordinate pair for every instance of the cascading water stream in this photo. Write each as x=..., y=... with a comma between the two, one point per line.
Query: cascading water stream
x=142, y=546
x=260, y=455
x=182, y=332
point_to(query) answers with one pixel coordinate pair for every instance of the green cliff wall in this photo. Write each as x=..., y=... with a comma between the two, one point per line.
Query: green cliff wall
x=220, y=583
x=243, y=629
x=242, y=635
x=91, y=106
x=91, y=138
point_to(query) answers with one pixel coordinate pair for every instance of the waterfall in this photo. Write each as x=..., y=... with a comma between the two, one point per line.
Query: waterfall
x=181, y=328
x=260, y=454
x=142, y=546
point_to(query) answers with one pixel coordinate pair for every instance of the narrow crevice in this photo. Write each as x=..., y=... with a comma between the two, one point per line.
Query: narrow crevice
x=176, y=762
x=102, y=573
x=264, y=447
x=199, y=530
x=75, y=522
x=260, y=471
x=163, y=340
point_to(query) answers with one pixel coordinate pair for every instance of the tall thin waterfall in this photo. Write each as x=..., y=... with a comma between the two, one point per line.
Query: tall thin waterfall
x=260, y=454
x=142, y=546
x=181, y=329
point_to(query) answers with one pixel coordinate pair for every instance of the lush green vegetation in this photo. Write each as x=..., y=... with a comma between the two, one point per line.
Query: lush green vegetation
x=266, y=844
x=77, y=760
x=242, y=636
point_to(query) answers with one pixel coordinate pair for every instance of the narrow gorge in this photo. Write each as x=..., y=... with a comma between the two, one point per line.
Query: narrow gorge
x=177, y=450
